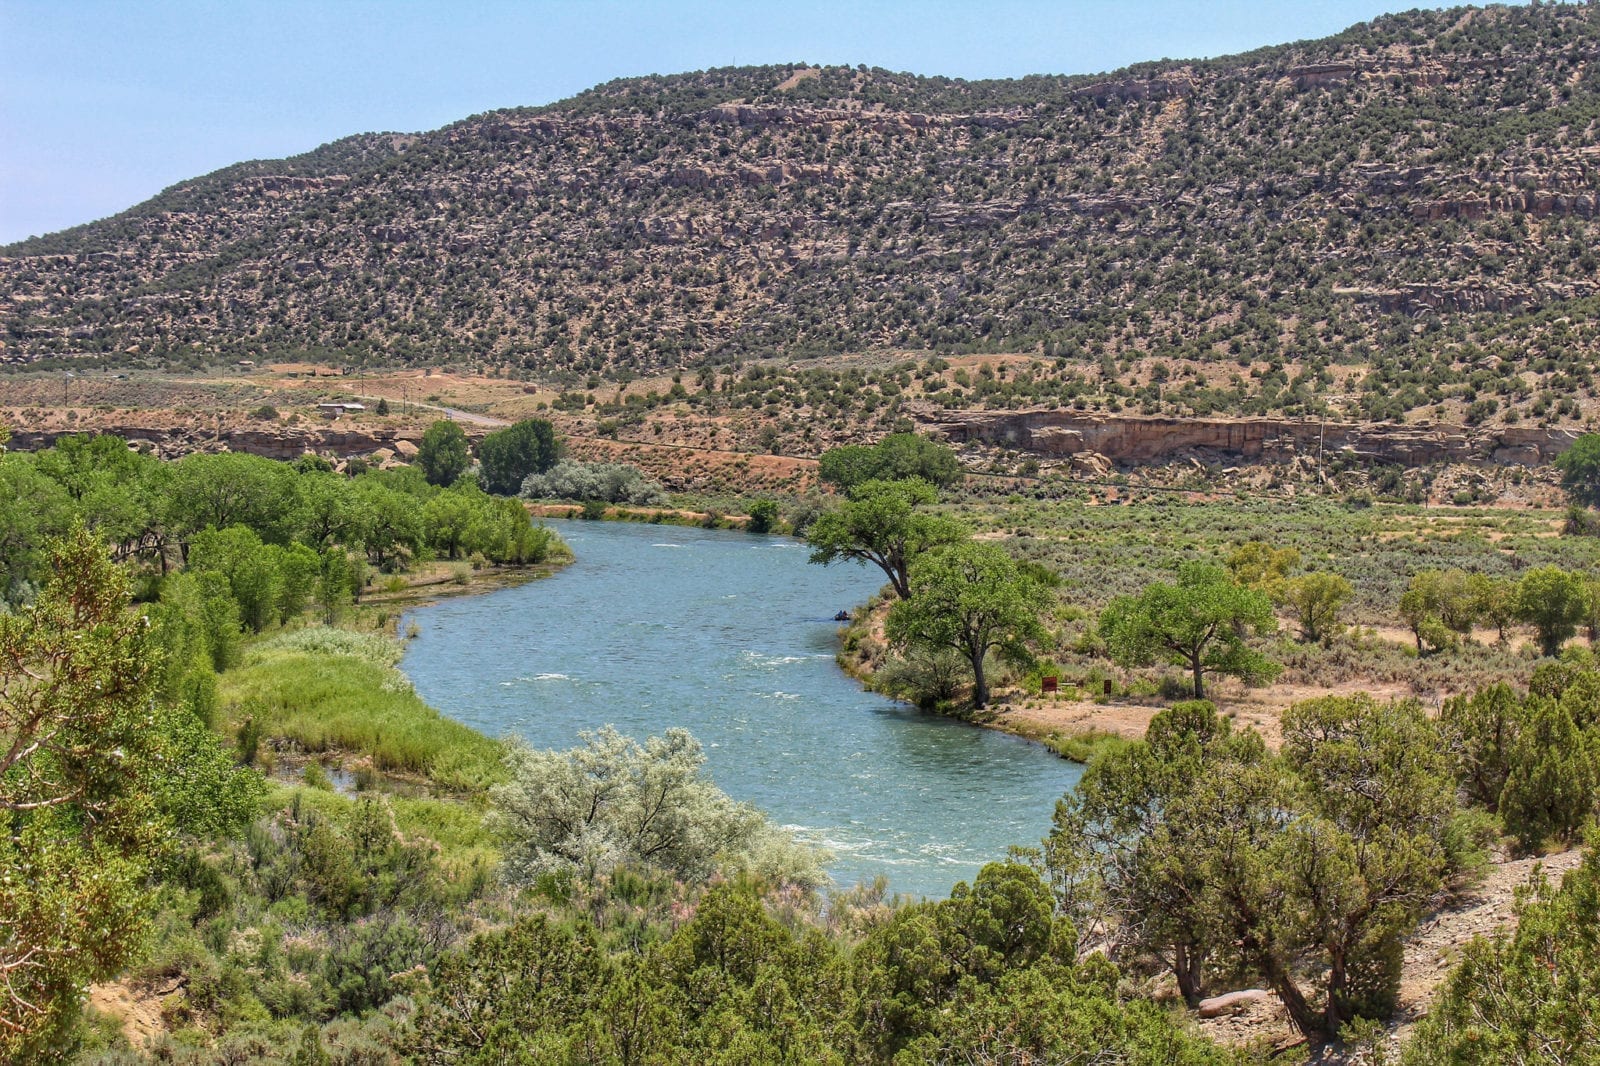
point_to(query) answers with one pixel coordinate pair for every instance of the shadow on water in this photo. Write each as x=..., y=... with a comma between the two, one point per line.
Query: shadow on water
x=732, y=637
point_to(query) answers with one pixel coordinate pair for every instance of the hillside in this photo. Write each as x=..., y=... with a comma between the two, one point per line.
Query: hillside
x=1395, y=222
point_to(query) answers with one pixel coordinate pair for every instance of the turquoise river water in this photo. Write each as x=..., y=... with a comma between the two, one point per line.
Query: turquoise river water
x=732, y=637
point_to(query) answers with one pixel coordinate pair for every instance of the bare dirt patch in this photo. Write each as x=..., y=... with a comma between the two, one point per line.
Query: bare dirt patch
x=1258, y=709
x=136, y=1005
x=1480, y=911
x=796, y=78
x=1122, y=717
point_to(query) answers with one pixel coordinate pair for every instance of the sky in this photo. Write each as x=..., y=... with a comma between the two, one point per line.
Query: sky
x=103, y=103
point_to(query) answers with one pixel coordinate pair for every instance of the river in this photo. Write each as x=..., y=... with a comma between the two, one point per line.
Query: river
x=732, y=637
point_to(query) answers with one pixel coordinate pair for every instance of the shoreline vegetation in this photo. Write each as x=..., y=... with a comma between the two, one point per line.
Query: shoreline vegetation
x=1077, y=745
x=1227, y=426
x=668, y=516
x=339, y=873
x=855, y=656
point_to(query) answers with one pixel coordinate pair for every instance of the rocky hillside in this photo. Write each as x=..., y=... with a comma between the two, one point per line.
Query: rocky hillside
x=1401, y=218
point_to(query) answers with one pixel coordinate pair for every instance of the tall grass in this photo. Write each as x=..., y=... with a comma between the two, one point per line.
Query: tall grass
x=326, y=640
x=339, y=692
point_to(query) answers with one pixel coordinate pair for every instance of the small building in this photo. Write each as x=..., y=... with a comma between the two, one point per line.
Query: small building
x=334, y=410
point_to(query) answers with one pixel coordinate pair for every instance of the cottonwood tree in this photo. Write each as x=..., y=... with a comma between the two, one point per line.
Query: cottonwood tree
x=1494, y=602
x=881, y=522
x=897, y=457
x=386, y=523
x=508, y=456
x=1580, y=470
x=1552, y=601
x=446, y=521
x=325, y=513
x=118, y=490
x=33, y=508
x=1200, y=622
x=1439, y=606
x=1316, y=600
x=443, y=452
x=231, y=488
x=970, y=597
x=1258, y=564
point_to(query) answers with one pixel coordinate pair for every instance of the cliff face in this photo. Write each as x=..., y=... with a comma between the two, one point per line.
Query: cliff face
x=1131, y=440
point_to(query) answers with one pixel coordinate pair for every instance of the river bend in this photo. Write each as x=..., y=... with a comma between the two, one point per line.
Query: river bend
x=731, y=636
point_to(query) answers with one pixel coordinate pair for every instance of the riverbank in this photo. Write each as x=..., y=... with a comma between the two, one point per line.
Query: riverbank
x=731, y=637
x=439, y=580
x=656, y=516
x=320, y=697
x=863, y=654
x=1083, y=718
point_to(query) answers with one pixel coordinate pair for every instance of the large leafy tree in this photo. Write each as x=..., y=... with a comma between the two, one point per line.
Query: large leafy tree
x=386, y=522
x=1200, y=622
x=507, y=456
x=970, y=597
x=33, y=508
x=324, y=515
x=1315, y=600
x=897, y=457
x=116, y=488
x=269, y=582
x=228, y=489
x=1580, y=470
x=1553, y=602
x=443, y=452
x=1439, y=606
x=883, y=523
x=447, y=520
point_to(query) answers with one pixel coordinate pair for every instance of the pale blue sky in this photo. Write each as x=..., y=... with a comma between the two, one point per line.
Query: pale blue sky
x=103, y=104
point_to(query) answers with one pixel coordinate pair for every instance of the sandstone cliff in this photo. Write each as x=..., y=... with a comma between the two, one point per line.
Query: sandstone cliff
x=1135, y=440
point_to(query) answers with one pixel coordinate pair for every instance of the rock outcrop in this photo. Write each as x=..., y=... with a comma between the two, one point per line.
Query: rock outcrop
x=1132, y=440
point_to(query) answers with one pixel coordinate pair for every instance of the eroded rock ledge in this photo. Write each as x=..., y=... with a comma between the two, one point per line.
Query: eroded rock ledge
x=1129, y=440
